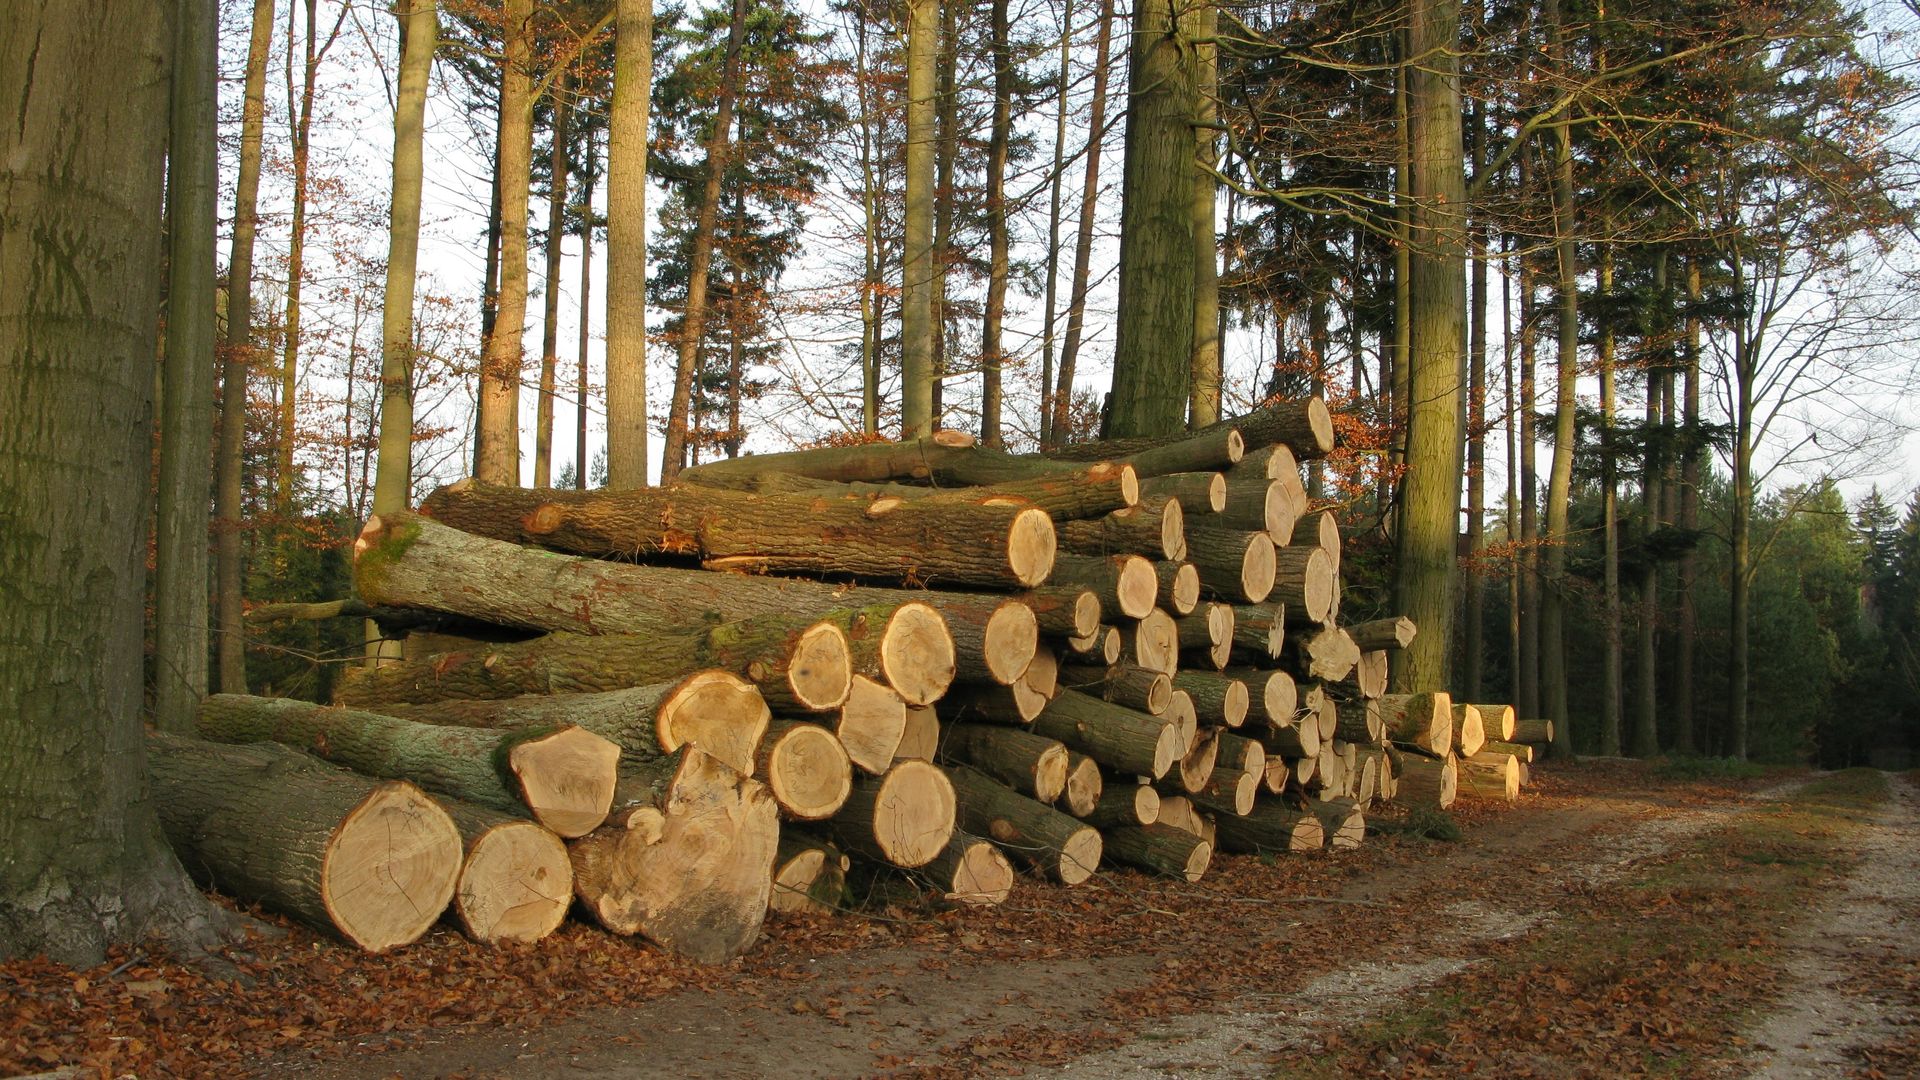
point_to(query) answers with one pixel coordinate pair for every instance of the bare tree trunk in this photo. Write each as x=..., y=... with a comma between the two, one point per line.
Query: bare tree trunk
x=693, y=324
x=1613, y=661
x=917, y=326
x=1083, y=239
x=1204, y=391
x=586, y=319
x=497, y=450
x=627, y=246
x=229, y=484
x=550, y=334
x=1055, y=182
x=1685, y=738
x=1553, y=660
x=946, y=156
x=1474, y=621
x=1740, y=574
x=991, y=356
x=1516, y=559
x=302, y=118
x=1400, y=357
x=85, y=96
x=871, y=279
x=1527, y=683
x=1154, y=336
x=1646, y=741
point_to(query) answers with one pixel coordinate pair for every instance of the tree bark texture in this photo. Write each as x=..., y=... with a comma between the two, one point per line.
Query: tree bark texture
x=626, y=304
x=497, y=455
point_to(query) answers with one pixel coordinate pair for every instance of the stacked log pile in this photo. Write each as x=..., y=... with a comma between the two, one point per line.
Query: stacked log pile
x=922, y=665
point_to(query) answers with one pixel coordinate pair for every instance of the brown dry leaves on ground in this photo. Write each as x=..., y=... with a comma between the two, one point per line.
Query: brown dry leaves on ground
x=1252, y=925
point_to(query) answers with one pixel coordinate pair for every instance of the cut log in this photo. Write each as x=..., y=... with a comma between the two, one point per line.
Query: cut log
x=1033, y=765
x=1218, y=698
x=1119, y=738
x=1155, y=529
x=1212, y=448
x=797, y=663
x=1228, y=792
x=1345, y=825
x=1161, y=849
x=1324, y=653
x=1424, y=781
x=805, y=768
x=1304, y=426
x=1523, y=751
x=1267, y=461
x=1198, y=492
x=1271, y=827
x=561, y=773
x=1125, y=803
x=1260, y=630
x=1063, y=610
x=971, y=871
x=1179, y=586
x=515, y=881
x=1185, y=720
x=1303, y=583
x=989, y=703
x=1042, y=677
x=1498, y=722
x=1469, y=734
x=1196, y=765
x=1322, y=530
x=1366, y=787
x=994, y=639
x=1537, y=732
x=904, y=818
x=946, y=457
x=1329, y=773
x=807, y=876
x=1241, y=754
x=1153, y=642
x=908, y=645
x=1179, y=812
x=1423, y=721
x=871, y=725
x=718, y=712
x=1258, y=504
x=1125, y=584
x=1124, y=683
x=1235, y=566
x=1273, y=698
x=1326, y=710
x=374, y=862
x=1490, y=775
x=1370, y=674
x=1085, y=784
x=1064, y=848
x=1394, y=633
x=1086, y=492
x=1208, y=631
x=921, y=739
x=1360, y=722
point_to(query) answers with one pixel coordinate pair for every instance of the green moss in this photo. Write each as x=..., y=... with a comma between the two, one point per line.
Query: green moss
x=370, y=564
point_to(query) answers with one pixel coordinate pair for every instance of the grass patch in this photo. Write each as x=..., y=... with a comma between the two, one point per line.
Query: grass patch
x=1660, y=973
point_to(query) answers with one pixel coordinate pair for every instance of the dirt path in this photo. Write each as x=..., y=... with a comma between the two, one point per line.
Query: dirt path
x=1220, y=982
x=1853, y=959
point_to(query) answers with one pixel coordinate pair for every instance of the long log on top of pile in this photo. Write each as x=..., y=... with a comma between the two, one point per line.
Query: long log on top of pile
x=1215, y=448
x=1305, y=427
x=686, y=860
x=797, y=663
x=562, y=774
x=374, y=862
x=977, y=542
x=1089, y=491
x=947, y=458
x=406, y=559
x=1156, y=528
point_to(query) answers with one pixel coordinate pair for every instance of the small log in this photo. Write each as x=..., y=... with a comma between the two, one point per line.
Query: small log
x=1179, y=586
x=1342, y=820
x=515, y=882
x=1016, y=704
x=1155, y=529
x=920, y=741
x=807, y=876
x=805, y=768
x=1267, y=461
x=1089, y=492
x=1062, y=847
x=1161, y=849
x=1304, y=427
x=1208, y=631
x=1033, y=765
x=1042, y=677
x=871, y=725
x=1179, y=812
x=1424, y=721
x=1153, y=642
x=1218, y=698
x=373, y=862
x=1498, y=722
x=904, y=818
x=1522, y=751
x=1196, y=766
x=1260, y=631
x=1329, y=773
x=1124, y=683
x=971, y=871
x=1063, y=610
x=1469, y=734
x=1228, y=792
x=993, y=639
x=1537, y=732
x=1116, y=737
x=561, y=773
x=1322, y=530
x=1235, y=566
x=1125, y=584
x=1213, y=448
x=906, y=644
x=1200, y=492
x=1185, y=720
x=1393, y=633
x=1273, y=698
x=1124, y=803
x=1370, y=674
x=1085, y=783
x=1360, y=722
x=1424, y=781
x=1326, y=653
x=1270, y=827
x=1366, y=786
x=1259, y=504
x=1303, y=582
x=1490, y=775
x=1242, y=755
x=1326, y=712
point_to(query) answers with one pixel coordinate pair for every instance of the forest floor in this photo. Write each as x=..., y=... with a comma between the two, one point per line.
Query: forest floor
x=1619, y=919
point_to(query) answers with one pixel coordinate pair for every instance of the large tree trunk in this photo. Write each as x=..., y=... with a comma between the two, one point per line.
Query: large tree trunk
x=1057, y=429
x=627, y=246
x=373, y=862
x=80, y=194
x=992, y=357
x=1204, y=366
x=1612, y=660
x=1154, y=333
x=497, y=452
x=581, y=388
x=186, y=419
x=393, y=481
x=550, y=327
x=1684, y=737
x=1553, y=646
x=1056, y=179
x=1527, y=679
x=917, y=328
x=1425, y=567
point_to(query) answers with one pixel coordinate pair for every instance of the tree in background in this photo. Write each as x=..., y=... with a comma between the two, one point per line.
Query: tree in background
x=627, y=245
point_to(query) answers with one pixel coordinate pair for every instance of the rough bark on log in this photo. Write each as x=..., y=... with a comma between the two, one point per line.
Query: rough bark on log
x=1267, y=461
x=1304, y=427
x=1273, y=698
x=1033, y=765
x=871, y=725
x=994, y=638
x=691, y=873
x=374, y=862
x=1257, y=504
x=1125, y=584
x=714, y=710
x=1420, y=720
x=1042, y=677
x=1155, y=528
x=907, y=644
x=1218, y=698
x=1196, y=765
x=1469, y=734
x=1119, y=738
x=1303, y=582
x=946, y=457
x=1324, y=653
x=905, y=817
x=1524, y=752
x=1322, y=530
x=1197, y=492
x=1228, y=792
x=563, y=774
x=1242, y=754
x=805, y=768
x=1085, y=784
x=1179, y=586
x=1161, y=849
x=1125, y=803
x=1393, y=633
x=1064, y=848
x=1185, y=720
x=807, y=875
x=1498, y=722
x=1213, y=448
x=1270, y=827
x=1063, y=610
x=1207, y=632
x=994, y=704
x=515, y=882
x=1342, y=820
x=1424, y=781
x=1537, y=732
x=1152, y=642
x=1360, y=722
x=1124, y=683
x=1490, y=775
x=1260, y=630
x=1237, y=567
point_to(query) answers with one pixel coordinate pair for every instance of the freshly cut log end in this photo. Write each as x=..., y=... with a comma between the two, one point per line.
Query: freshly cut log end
x=1033, y=765
x=1260, y=631
x=1179, y=812
x=1064, y=610
x=1469, y=733
x=794, y=876
x=921, y=740
x=1218, y=698
x=1424, y=781
x=390, y=867
x=1042, y=677
x=1124, y=803
x=820, y=674
x=1136, y=587
x=1370, y=673
x=994, y=644
x=1498, y=722
x=567, y=778
x=905, y=817
x=1196, y=766
x=1085, y=785
x=1423, y=721
x=1153, y=642
x=1343, y=822
x=1235, y=565
x=917, y=654
x=1119, y=738
x=1538, y=732
x=1489, y=775
x=1229, y=791
x=973, y=872
x=1161, y=849
x=1125, y=684
x=807, y=770
x=516, y=883
x=1522, y=751
x=1185, y=720
x=1030, y=546
x=1179, y=587
x=1304, y=581
x=717, y=712
x=1360, y=722
x=872, y=723
x=1392, y=633
x=1062, y=847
